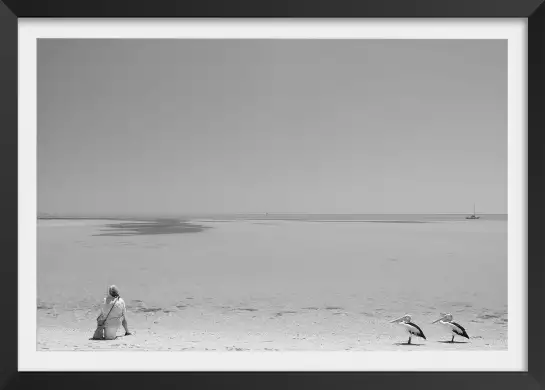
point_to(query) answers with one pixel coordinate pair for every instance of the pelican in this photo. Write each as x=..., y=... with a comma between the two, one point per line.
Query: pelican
x=411, y=328
x=455, y=328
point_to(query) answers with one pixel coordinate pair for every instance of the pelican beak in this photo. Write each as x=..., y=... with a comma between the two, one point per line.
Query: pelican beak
x=396, y=320
x=439, y=319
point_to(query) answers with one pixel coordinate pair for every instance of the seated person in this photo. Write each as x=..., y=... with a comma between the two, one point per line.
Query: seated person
x=112, y=314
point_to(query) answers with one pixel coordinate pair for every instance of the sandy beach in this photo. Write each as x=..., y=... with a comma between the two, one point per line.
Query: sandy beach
x=273, y=284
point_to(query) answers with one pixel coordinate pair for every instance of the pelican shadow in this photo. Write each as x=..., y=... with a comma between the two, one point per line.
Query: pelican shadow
x=452, y=342
x=411, y=344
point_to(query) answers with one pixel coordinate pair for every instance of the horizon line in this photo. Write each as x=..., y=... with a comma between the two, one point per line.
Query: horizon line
x=83, y=216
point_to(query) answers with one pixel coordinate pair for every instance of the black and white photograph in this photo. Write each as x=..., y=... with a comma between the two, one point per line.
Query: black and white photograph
x=272, y=195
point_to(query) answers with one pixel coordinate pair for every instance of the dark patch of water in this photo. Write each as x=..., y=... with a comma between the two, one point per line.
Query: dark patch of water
x=150, y=228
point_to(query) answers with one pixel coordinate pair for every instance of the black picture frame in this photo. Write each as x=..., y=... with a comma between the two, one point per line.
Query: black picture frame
x=534, y=10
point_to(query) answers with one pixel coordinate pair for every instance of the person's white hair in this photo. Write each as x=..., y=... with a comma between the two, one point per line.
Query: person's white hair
x=113, y=291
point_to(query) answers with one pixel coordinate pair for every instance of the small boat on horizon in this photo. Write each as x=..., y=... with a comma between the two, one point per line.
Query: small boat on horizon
x=473, y=216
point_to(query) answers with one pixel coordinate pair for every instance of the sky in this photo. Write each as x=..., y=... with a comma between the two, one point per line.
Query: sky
x=169, y=127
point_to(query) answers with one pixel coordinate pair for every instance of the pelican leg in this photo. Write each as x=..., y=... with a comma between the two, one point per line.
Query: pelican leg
x=452, y=339
x=409, y=342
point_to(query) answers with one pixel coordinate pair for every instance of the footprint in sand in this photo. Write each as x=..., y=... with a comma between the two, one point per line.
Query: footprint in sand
x=281, y=313
x=152, y=310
